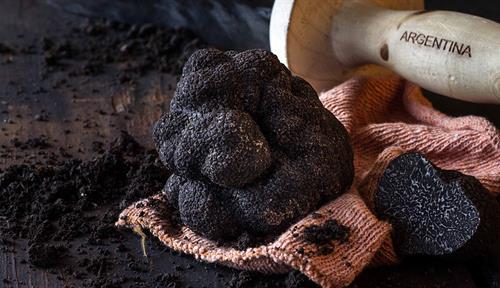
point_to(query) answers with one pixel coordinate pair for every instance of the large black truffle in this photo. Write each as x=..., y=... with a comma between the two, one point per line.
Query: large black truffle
x=437, y=212
x=251, y=146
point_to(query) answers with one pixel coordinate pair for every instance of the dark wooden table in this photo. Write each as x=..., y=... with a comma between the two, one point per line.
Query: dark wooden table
x=74, y=114
x=78, y=112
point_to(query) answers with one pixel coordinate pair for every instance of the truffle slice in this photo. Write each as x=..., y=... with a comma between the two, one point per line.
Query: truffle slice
x=437, y=212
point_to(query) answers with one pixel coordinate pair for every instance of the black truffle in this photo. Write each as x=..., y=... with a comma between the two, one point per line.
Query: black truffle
x=251, y=146
x=437, y=212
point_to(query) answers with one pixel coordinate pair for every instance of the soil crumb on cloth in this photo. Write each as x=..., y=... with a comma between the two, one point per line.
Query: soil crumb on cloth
x=325, y=235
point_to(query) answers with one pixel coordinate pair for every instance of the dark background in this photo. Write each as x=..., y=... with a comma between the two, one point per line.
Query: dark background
x=228, y=23
x=484, y=8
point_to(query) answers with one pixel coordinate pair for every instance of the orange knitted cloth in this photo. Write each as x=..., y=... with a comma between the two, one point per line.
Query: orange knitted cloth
x=381, y=115
x=384, y=118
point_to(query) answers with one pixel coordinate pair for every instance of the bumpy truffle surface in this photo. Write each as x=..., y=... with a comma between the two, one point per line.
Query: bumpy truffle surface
x=437, y=212
x=251, y=146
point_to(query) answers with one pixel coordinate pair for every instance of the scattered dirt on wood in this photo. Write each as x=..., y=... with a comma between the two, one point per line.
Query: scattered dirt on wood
x=40, y=142
x=52, y=206
x=245, y=279
x=134, y=49
x=75, y=203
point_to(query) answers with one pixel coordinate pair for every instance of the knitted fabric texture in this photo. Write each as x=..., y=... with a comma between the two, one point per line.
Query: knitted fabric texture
x=384, y=118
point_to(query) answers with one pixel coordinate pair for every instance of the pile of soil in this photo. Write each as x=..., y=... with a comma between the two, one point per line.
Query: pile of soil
x=56, y=208
x=49, y=203
x=51, y=206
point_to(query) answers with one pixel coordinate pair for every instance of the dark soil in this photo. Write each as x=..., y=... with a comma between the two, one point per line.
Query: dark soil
x=55, y=207
x=135, y=49
x=6, y=48
x=246, y=279
x=325, y=235
x=45, y=255
x=40, y=142
x=52, y=206
x=49, y=204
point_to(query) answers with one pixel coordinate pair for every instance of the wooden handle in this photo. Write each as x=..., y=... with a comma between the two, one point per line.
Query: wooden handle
x=449, y=53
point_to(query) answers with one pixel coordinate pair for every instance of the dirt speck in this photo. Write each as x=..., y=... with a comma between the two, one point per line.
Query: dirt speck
x=325, y=235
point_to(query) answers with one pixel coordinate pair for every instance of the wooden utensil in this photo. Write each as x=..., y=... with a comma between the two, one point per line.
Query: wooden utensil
x=327, y=41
